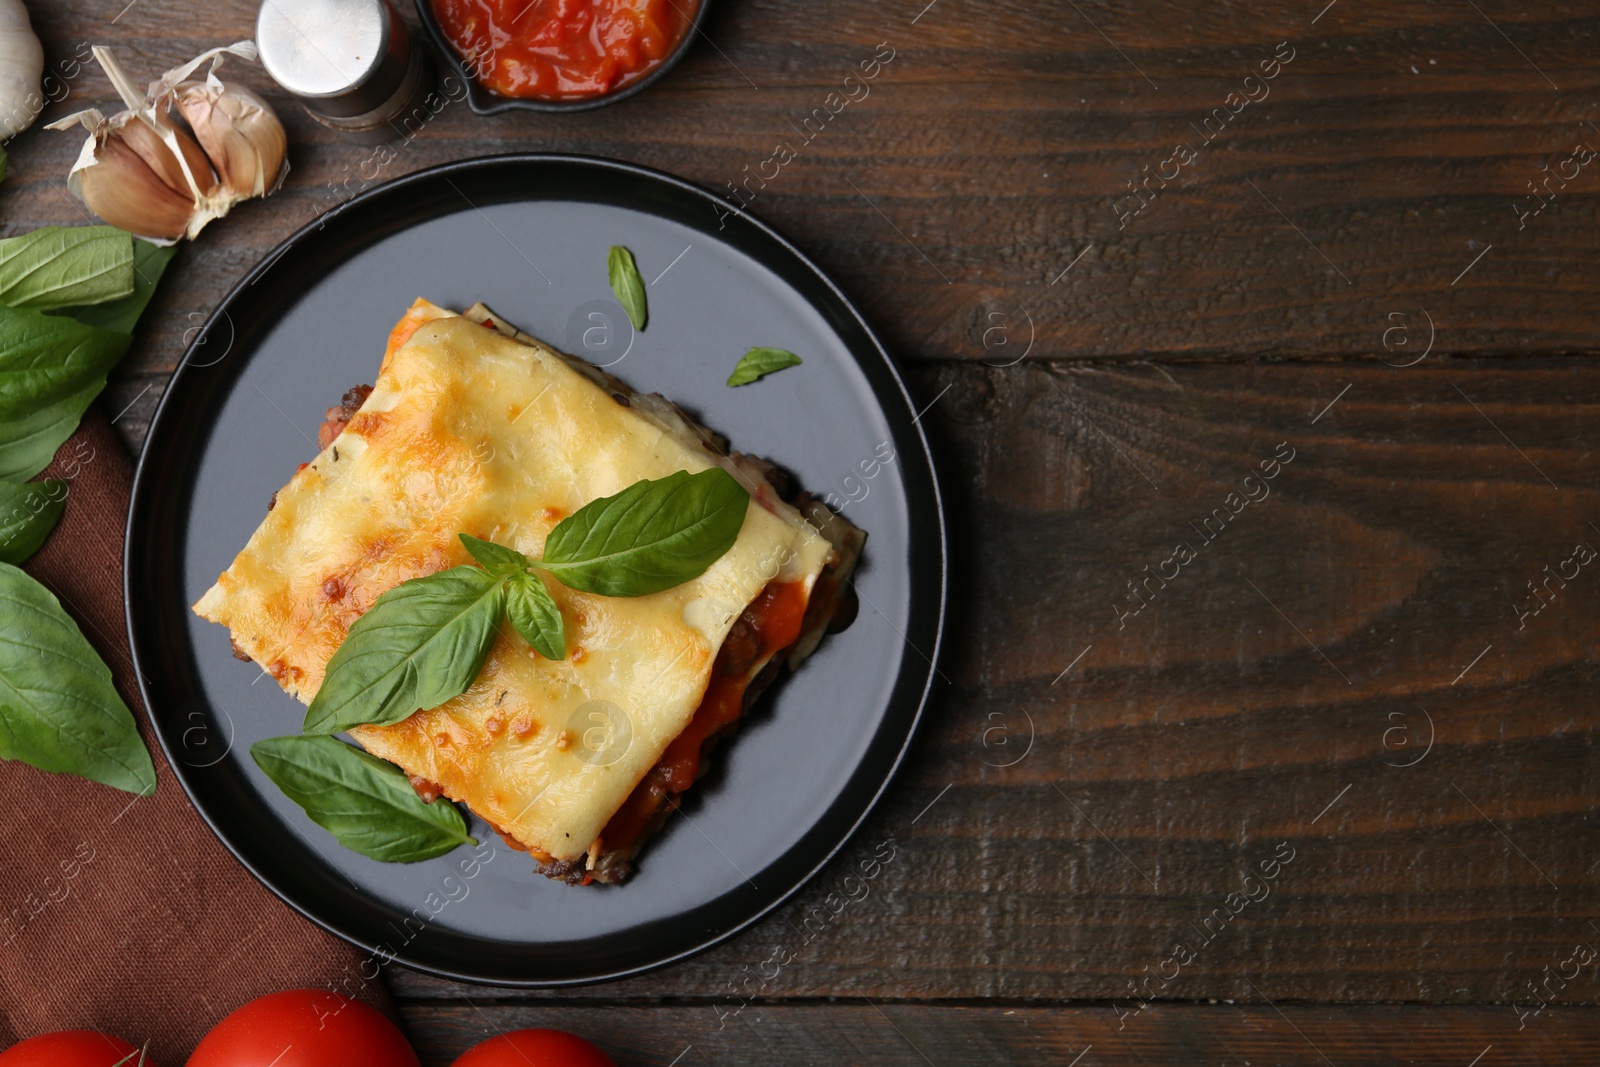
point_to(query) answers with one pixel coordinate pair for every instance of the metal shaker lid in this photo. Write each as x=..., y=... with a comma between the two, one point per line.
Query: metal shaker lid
x=341, y=57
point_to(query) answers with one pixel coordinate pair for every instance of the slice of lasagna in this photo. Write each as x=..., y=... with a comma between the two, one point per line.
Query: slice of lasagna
x=475, y=427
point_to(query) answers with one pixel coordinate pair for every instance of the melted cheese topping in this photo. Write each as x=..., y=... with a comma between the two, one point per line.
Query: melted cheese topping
x=470, y=431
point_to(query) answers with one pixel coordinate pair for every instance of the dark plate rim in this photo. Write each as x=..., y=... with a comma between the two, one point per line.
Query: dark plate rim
x=488, y=102
x=144, y=473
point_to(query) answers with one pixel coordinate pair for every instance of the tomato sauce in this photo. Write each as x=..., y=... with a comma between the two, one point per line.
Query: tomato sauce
x=563, y=49
x=775, y=618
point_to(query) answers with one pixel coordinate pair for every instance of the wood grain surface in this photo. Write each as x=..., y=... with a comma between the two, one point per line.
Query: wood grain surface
x=1203, y=735
x=881, y=1032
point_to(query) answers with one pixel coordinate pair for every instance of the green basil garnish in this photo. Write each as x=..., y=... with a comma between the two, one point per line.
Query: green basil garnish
x=651, y=536
x=58, y=267
x=27, y=515
x=530, y=608
x=59, y=710
x=365, y=802
x=627, y=285
x=760, y=362
x=536, y=615
x=419, y=645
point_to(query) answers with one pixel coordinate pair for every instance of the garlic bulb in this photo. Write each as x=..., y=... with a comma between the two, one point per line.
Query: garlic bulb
x=144, y=171
x=21, y=67
x=136, y=183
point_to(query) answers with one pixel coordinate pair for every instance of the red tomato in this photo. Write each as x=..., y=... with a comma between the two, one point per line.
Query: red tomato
x=73, y=1048
x=304, y=1028
x=534, y=1048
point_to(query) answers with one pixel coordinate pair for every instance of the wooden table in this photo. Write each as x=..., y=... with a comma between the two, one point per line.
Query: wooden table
x=1166, y=672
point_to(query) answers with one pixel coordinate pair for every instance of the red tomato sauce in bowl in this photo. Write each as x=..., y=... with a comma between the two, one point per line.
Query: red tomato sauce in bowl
x=563, y=49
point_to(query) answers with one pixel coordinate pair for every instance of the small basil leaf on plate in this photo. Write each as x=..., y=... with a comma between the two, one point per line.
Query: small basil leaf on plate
x=651, y=536
x=627, y=285
x=496, y=559
x=59, y=710
x=149, y=261
x=59, y=266
x=51, y=368
x=365, y=802
x=28, y=512
x=419, y=645
x=760, y=362
x=536, y=615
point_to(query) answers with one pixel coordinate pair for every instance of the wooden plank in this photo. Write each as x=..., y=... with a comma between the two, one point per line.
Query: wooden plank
x=916, y=1035
x=1102, y=781
x=997, y=147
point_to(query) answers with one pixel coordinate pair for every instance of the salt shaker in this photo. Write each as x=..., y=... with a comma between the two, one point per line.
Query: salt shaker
x=351, y=63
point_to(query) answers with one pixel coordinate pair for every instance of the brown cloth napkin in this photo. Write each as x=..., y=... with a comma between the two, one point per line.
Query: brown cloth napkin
x=125, y=914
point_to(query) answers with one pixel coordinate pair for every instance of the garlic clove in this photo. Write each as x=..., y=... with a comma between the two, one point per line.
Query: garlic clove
x=155, y=149
x=240, y=134
x=122, y=188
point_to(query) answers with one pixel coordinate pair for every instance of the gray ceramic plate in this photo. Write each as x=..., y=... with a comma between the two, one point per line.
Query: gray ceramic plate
x=528, y=235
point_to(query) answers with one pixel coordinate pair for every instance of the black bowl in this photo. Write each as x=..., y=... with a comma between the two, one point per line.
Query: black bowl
x=487, y=102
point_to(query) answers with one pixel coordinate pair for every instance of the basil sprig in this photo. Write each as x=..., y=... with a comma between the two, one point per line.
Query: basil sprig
x=68, y=300
x=627, y=285
x=530, y=608
x=760, y=362
x=365, y=802
x=424, y=641
x=59, y=710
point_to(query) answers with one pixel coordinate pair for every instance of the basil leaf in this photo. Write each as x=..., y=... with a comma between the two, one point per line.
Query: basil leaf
x=51, y=367
x=419, y=645
x=651, y=536
x=149, y=261
x=496, y=559
x=27, y=515
x=537, y=617
x=57, y=267
x=59, y=710
x=627, y=285
x=44, y=358
x=760, y=362
x=28, y=442
x=365, y=802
